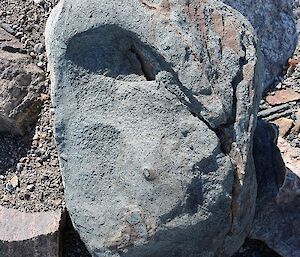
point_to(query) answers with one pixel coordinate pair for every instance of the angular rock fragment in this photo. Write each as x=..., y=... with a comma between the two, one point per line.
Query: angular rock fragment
x=284, y=125
x=283, y=96
x=30, y=234
x=20, y=80
x=155, y=106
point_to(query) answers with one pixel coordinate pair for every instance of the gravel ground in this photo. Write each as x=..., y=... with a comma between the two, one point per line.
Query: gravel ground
x=30, y=177
x=32, y=161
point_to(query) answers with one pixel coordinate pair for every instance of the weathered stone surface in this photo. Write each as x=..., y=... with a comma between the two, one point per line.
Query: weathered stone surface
x=155, y=105
x=290, y=155
x=283, y=96
x=30, y=234
x=275, y=26
x=19, y=84
x=284, y=125
x=277, y=215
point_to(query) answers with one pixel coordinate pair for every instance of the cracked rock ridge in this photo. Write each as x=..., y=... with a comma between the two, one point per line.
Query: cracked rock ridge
x=155, y=106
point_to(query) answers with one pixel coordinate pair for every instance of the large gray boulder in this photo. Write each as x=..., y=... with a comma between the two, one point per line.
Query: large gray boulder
x=155, y=106
x=275, y=25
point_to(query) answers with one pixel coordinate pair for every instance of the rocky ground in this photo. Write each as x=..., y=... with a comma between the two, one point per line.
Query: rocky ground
x=30, y=179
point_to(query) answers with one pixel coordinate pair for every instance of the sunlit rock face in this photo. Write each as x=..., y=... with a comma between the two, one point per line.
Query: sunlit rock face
x=275, y=23
x=155, y=106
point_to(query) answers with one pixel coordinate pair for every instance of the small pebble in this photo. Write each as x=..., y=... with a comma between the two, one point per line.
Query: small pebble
x=39, y=48
x=30, y=188
x=40, y=64
x=9, y=187
x=27, y=196
x=40, y=2
x=14, y=181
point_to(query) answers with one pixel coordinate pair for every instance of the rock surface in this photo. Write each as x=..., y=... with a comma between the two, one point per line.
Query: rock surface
x=30, y=234
x=20, y=81
x=154, y=116
x=277, y=216
x=275, y=25
x=284, y=125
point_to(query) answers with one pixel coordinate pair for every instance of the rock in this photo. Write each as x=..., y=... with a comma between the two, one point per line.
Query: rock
x=278, y=228
x=270, y=168
x=30, y=234
x=20, y=81
x=283, y=96
x=40, y=2
x=30, y=188
x=255, y=248
x=277, y=215
x=273, y=110
x=284, y=125
x=296, y=129
x=288, y=197
x=154, y=118
x=39, y=48
x=14, y=181
x=288, y=154
x=9, y=187
x=275, y=26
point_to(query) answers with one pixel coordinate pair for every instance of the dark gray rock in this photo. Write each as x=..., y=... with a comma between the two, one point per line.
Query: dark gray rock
x=275, y=25
x=155, y=106
x=277, y=214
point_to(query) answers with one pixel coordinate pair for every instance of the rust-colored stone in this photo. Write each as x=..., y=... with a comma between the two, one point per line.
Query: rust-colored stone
x=284, y=125
x=283, y=96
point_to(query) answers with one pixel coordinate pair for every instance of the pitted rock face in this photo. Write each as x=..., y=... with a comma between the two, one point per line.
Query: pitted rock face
x=155, y=105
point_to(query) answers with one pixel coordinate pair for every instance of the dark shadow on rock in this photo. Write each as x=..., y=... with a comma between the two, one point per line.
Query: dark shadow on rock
x=113, y=52
x=270, y=168
x=72, y=246
x=12, y=149
x=275, y=222
x=255, y=248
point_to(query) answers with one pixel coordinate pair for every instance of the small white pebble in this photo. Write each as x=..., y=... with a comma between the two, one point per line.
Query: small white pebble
x=39, y=1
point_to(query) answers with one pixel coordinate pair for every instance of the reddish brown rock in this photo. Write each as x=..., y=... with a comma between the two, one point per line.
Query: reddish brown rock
x=30, y=234
x=290, y=155
x=283, y=96
x=284, y=125
x=20, y=81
